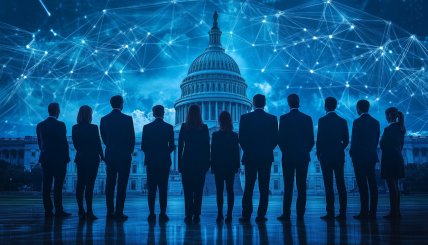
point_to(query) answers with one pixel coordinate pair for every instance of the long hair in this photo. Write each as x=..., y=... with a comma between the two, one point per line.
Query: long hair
x=395, y=113
x=225, y=121
x=85, y=114
x=194, y=118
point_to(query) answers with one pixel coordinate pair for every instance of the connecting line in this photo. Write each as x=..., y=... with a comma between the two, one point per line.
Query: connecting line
x=47, y=11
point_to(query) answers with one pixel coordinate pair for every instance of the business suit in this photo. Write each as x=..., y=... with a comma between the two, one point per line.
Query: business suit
x=157, y=143
x=332, y=140
x=364, y=142
x=193, y=163
x=89, y=152
x=54, y=156
x=225, y=162
x=258, y=137
x=296, y=140
x=391, y=144
x=118, y=135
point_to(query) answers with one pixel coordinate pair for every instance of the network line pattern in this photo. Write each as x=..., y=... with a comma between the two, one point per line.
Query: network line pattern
x=142, y=52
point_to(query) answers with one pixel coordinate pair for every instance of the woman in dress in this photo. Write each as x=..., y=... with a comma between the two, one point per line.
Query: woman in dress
x=193, y=161
x=392, y=163
x=225, y=162
x=86, y=141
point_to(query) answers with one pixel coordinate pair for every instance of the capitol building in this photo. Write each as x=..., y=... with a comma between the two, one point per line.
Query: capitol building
x=213, y=82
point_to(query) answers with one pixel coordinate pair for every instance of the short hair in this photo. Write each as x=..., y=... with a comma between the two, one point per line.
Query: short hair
x=85, y=114
x=331, y=103
x=225, y=121
x=158, y=110
x=293, y=101
x=53, y=108
x=116, y=101
x=259, y=100
x=364, y=105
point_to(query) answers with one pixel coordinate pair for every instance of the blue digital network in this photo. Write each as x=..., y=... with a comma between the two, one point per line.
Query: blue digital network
x=142, y=52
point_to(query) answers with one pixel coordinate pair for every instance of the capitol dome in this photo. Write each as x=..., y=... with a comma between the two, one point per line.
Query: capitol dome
x=214, y=83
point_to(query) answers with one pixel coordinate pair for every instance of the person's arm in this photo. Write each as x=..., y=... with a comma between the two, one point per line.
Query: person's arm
x=377, y=136
x=207, y=147
x=103, y=132
x=38, y=137
x=311, y=136
x=238, y=156
x=63, y=140
x=171, y=143
x=319, y=144
x=74, y=139
x=385, y=140
x=243, y=134
x=274, y=133
x=345, y=136
x=131, y=135
x=214, y=153
x=180, y=146
x=354, y=138
x=281, y=134
x=144, y=140
x=98, y=142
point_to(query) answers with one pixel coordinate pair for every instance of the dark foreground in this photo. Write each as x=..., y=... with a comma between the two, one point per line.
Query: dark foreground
x=22, y=222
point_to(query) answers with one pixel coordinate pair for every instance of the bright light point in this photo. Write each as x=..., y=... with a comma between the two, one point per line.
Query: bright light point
x=390, y=51
x=377, y=98
x=120, y=71
x=148, y=33
x=304, y=29
x=71, y=71
x=366, y=86
x=233, y=50
x=231, y=32
x=312, y=71
x=347, y=85
x=170, y=42
x=286, y=65
x=46, y=52
x=380, y=47
x=54, y=34
x=142, y=70
x=264, y=21
x=352, y=27
x=330, y=36
x=315, y=37
x=83, y=41
x=25, y=77
x=263, y=70
x=126, y=46
x=106, y=72
x=389, y=91
x=274, y=50
x=397, y=68
x=318, y=87
x=96, y=51
x=377, y=59
x=104, y=10
x=253, y=44
x=133, y=49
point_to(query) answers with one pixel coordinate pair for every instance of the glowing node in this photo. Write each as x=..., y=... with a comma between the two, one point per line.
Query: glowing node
x=263, y=21
x=263, y=70
x=142, y=70
x=318, y=87
x=304, y=29
x=120, y=71
x=347, y=85
x=377, y=98
x=83, y=41
x=352, y=27
x=231, y=32
x=133, y=49
x=233, y=50
x=330, y=36
x=96, y=51
x=148, y=33
x=312, y=71
x=253, y=44
x=106, y=72
x=71, y=71
x=397, y=68
x=287, y=87
x=25, y=77
x=274, y=50
x=46, y=52
x=286, y=65
x=27, y=46
x=380, y=47
x=126, y=46
x=54, y=34
x=104, y=11
x=366, y=86
x=314, y=38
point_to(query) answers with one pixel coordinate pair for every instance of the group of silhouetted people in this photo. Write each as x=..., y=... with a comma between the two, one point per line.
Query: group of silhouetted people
x=258, y=137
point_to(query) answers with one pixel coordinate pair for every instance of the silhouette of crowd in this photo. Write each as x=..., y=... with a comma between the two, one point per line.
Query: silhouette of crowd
x=258, y=136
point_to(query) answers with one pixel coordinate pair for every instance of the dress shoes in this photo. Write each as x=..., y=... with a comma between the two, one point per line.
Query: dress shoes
x=188, y=219
x=152, y=217
x=244, y=219
x=49, y=214
x=341, y=217
x=328, y=217
x=220, y=218
x=284, y=217
x=196, y=218
x=62, y=214
x=111, y=216
x=82, y=214
x=391, y=216
x=300, y=217
x=261, y=219
x=361, y=216
x=163, y=217
x=120, y=216
x=228, y=218
x=91, y=216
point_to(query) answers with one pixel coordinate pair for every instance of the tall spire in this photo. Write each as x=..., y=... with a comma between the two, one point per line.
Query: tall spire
x=215, y=35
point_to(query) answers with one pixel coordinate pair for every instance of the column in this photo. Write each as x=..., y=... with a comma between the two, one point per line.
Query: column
x=216, y=111
x=209, y=110
x=203, y=110
x=224, y=106
x=230, y=108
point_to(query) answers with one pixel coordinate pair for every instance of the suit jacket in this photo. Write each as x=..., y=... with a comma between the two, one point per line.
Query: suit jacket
x=52, y=140
x=117, y=132
x=296, y=136
x=332, y=138
x=157, y=143
x=193, y=150
x=365, y=139
x=86, y=141
x=391, y=145
x=258, y=136
x=225, y=157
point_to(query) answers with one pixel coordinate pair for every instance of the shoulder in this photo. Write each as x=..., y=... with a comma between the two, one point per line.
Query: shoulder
x=93, y=126
x=61, y=123
x=205, y=127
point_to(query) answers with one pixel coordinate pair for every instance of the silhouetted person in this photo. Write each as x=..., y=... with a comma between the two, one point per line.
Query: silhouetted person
x=332, y=139
x=225, y=162
x=392, y=163
x=296, y=140
x=54, y=156
x=258, y=134
x=364, y=142
x=117, y=132
x=193, y=161
x=89, y=153
x=158, y=143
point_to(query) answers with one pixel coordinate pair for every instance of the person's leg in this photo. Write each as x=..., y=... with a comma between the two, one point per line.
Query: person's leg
x=301, y=175
x=247, y=198
x=122, y=182
x=288, y=173
x=198, y=193
x=48, y=173
x=392, y=195
x=341, y=188
x=111, y=185
x=188, y=194
x=398, y=197
x=327, y=174
x=59, y=175
x=80, y=187
x=264, y=180
x=219, y=185
x=163, y=189
x=91, y=175
x=230, y=179
x=371, y=178
x=360, y=169
x=152, y=184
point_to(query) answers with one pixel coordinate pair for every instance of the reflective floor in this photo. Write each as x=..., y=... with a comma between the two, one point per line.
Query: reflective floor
x=22, y=222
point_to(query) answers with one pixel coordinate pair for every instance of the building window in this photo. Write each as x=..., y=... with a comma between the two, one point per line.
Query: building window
x=275, y=168
x=103, y=168
x=275, y=184
x=144, y=169
x=424, y=154
x=134, y=154
x=318, y=184
x=275, y=153
x=102, y=185
x=317, y=167
x=133, y=184
x=33, y=154
x=144, y=184
x=134, y=168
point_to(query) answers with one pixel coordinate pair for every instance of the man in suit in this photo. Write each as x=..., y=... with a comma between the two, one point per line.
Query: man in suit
x=332, y=140
x=158, y=143
x=117, y=133
x=296, y=139
x=258, y=134
x=364, y=142
x=54, y=156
